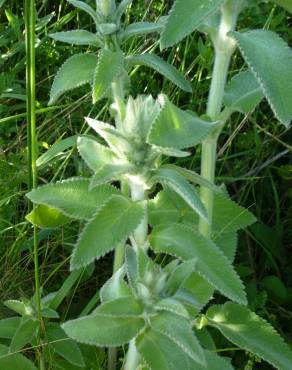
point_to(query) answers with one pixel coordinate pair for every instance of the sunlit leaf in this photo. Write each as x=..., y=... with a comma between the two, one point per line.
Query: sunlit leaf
x=250, y=332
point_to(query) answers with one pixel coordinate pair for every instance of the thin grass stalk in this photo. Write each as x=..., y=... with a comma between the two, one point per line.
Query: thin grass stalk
x=30, y=19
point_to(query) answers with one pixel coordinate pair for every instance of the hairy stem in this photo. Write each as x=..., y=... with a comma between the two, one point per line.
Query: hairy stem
x=119, y=100
x=224, y=47
x=30, y=15
x=140, y=237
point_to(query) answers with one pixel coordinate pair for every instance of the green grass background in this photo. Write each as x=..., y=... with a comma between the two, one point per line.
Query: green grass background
x=254, y=158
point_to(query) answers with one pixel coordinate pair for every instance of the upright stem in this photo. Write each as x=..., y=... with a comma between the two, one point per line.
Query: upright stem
x=224, y=47
x=140, y=237
x=118, y=98
x=32, y=141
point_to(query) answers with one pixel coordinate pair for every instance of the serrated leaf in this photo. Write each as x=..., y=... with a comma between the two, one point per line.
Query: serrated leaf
x=112, y=324
x=171, y=152
x=215, y=362
x=186, y=244
x=14, y=361
x=229, y=216
x=47, y=217
x=227, y=242
x=185, y=17
x=179, y=185
x=160, y=352
x=25, y=332
x=162, y=67
x=110, y=65
x=85, y=7
x=121, y=307
x=140, y=29
x=175, y=128
x=112, y=224
x=172, y=305
x=94, y=154
x=16, y=306
x=178, y=276
x=195, y=293
x=109, y=173
x=131, y=266
x=72, y=197
x=259, y=48
x=194, y=178
x=250, y=332
x=115, y=287
x=286, y=4
x=64, y=346
x=113, y=137
x=243, y=93
x=76, y=37
x=8, y=327
x=78, y=70
x=178, y=330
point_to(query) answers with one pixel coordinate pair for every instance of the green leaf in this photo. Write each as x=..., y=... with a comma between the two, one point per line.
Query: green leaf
x=179, y=185
x=76, y=37
x=72, y=197
x=107, y=28
x=112, y=224
x=194, y=178
x=109, y=173
x=85, y=7
x=25, y=332
x=215, y=362
x=113, y=324
x=185, y=17
x=47, y=217
x=78, y=70
x=17, y=306
x=121, y=8
x=172, y=305
x=140, y=29
x=229, y=216
x=250, y=332
x=14, y=361
x=175, y=128
x=64, y=346
x=115, y=287
x=94, y=154
x=50, y=313
x=9, y=326
x=227, y=242
x=259, y=48
x=178, y=276
x=286, y=4
x=160, y=352
x=110, y=65
x=195, y=294
x=118, y=143
x=186, y=244
x=55, y=150
x=243, y=93
x=121, y=307
x=178, y=330
x=162, y=67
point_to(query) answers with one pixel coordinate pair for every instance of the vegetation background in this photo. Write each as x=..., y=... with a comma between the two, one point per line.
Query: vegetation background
x=254, y=157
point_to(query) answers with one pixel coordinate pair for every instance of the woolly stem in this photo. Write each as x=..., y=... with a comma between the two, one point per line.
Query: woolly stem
x=224, y=47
